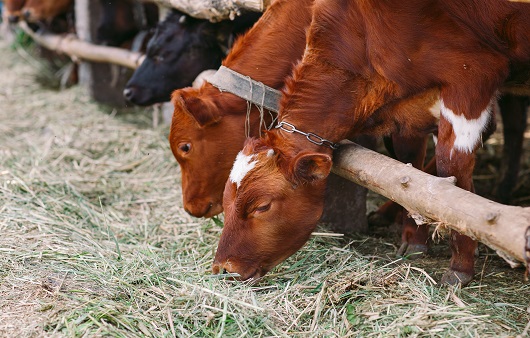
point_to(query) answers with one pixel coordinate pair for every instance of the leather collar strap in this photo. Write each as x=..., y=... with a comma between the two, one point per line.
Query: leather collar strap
x=227, y=80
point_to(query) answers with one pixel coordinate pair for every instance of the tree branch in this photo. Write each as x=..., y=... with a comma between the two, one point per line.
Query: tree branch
x=437, y=200
x=72, y=46
x=216, y=10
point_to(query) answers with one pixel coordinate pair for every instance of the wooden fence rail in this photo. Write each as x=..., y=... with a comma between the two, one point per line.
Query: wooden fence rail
x=216, y=10
x=76, y=48
x=437, y=200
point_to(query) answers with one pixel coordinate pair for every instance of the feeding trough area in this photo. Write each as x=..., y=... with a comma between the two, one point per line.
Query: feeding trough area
x=93, y=199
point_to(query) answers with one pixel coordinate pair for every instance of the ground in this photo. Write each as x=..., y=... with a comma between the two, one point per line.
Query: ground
x=95, y=242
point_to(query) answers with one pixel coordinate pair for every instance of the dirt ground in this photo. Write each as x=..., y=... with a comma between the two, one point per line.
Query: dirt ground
x=95, y=242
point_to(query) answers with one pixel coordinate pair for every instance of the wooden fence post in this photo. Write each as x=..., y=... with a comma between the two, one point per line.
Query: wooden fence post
x=104, y=82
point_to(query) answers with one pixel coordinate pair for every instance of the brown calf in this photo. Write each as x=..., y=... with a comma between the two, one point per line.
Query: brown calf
x=208, y=126
x=379, y=74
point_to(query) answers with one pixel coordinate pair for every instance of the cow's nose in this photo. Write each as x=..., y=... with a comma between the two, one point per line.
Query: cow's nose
x=219, y=269
x=128, y=93
x=199, y=210
x=12, y=18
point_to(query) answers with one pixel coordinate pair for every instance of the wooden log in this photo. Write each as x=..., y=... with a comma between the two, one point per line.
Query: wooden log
x=75, y=48
x=215, y=10
x=103, y=81
x=501, y=227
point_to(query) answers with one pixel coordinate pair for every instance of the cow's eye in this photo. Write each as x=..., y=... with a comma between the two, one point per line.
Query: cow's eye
x=158, y=58
x=185, y=147
x=263, y=207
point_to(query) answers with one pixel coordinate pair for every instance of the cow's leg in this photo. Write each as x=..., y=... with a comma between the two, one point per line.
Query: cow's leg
x=385, y=215
x=513, y=111
x=414, y=238
x=458, y=137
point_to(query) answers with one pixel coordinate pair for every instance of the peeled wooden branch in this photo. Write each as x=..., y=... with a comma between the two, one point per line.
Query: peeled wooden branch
x=501, y=227
x=216, y=10
x=72, y=46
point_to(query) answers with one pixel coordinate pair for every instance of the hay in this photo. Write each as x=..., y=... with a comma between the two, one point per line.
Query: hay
x=95, y=242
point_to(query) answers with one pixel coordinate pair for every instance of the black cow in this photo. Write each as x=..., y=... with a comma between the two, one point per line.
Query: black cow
x=181, y=48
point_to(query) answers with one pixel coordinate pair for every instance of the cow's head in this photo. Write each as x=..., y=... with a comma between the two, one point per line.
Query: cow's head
x=13, y=9
x=205, y=140
x=181, y=49
x=273, y=200
x=44, y=10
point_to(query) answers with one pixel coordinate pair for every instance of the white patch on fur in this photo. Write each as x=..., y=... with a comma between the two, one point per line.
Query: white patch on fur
x=204, y=76
x=270, y=152
x=435, y=139
x=468, y=132
x=242, y=165
x=435, y=109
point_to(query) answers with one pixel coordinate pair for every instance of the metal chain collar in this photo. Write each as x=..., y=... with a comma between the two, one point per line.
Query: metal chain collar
x=313, y=138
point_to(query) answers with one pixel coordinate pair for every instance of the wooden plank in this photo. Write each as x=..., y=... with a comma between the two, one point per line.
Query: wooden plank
x=76, y=48
x=216, y=10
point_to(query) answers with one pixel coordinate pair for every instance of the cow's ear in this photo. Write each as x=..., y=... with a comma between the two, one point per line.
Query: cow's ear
x=311, y=167
x=202, y=109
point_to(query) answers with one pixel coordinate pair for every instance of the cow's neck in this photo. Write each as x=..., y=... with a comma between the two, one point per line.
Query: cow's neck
x=337, y=104
x=269, y=50
x=267, y=54
x=238, y=109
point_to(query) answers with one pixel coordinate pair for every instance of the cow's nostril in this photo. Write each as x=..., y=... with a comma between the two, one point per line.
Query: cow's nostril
x=26, y=14
x=128, y=93
x=223, y=271
x=188, y=211
x=13, y=19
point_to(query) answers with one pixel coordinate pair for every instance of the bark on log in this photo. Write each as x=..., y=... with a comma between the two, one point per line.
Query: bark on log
x=72, y=46
x=216, y=10
x=501, y=227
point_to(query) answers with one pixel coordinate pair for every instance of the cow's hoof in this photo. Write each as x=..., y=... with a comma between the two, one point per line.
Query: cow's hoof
x=455, y=278
x=412, y=251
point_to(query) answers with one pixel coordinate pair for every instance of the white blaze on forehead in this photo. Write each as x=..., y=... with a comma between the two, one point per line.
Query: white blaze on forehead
x=468, y=132
x=242, y=165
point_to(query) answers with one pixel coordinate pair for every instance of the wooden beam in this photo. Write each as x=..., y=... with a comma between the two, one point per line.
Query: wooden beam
x=216, y=10
x=72, y=46
x=439, y=202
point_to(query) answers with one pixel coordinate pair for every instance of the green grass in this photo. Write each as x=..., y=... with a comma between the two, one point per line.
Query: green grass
x=95, y=242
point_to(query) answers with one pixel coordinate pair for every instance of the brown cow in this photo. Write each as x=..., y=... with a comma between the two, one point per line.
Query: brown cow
x=13, y=9
x=45, y=10
x=381, y=55
x=208, y=127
